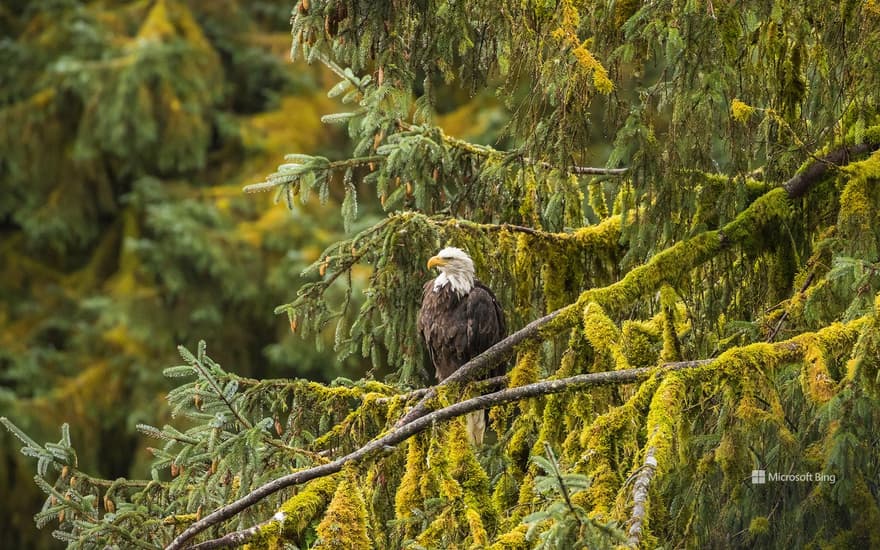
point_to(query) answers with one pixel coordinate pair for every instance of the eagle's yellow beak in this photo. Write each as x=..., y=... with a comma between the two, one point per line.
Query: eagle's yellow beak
x=435, y=261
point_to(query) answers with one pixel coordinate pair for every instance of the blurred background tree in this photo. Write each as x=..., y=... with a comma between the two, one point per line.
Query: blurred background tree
x=127, y=131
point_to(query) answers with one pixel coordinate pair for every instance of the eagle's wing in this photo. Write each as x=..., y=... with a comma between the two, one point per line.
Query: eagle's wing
x=485, y=320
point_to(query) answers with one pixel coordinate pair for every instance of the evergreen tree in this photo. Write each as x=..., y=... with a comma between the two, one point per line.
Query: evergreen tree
x=127, y=131
x=680, y=220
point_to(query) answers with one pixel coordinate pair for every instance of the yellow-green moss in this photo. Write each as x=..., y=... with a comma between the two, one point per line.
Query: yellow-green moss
x=639, y=343
x=604, y=235
x=408, y=496
x=597, y=199
x=671, y=345
x=512, y=540
x=663, y=417
x=759, y=526
x=301, y=509
x=344, y=526
x=605, y=338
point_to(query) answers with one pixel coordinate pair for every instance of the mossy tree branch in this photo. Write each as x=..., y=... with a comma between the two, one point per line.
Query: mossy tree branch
x=665, y=267
x=788, y=350
x=402, y=433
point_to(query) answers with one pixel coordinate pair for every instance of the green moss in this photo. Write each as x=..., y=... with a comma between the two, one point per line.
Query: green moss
x=640, y=342
x=597, y=199
x=604, y=235
x=408, y=496
x=344, y=526
x=512, y=540
x=605, y=338
x=663, y=417
x=859, y=203
x=301, y=509
x=759, y=526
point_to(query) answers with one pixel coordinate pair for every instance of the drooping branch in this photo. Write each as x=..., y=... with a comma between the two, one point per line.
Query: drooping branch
x=608, y=230
x=402, y=433
x=665, y=267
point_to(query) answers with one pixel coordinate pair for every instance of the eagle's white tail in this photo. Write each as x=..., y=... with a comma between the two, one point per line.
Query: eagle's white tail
x=476, y=427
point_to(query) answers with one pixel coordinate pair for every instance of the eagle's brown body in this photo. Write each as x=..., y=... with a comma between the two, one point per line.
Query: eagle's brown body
x=456, y=328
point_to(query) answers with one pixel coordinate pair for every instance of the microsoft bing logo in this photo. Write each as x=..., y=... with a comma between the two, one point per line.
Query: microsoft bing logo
x=762, y=477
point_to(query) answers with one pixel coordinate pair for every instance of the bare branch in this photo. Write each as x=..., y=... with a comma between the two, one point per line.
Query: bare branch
x=640, y=498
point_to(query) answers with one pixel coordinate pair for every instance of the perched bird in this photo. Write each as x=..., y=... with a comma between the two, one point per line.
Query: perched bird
x=459, y=319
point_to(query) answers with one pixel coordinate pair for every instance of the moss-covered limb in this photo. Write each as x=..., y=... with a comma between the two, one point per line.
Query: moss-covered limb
x=673, y=263
x=480, y=386
x=406, y=431
x=605, y=234
x=344, y=525
x=802, y=181
x=728, y=364
x=489, y=152
x=512, y=540
x=605, y=338
x=598, y=445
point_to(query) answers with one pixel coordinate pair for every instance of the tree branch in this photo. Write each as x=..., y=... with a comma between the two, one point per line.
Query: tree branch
x=802, y=181
x=402, y=433
x=489, y=383
x=665, y=266
x=778, y=326
x=640, y=498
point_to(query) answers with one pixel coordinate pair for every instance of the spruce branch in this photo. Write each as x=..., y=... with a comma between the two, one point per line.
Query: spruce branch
x=789, y=350
x=402, y=433
x=554, y=466
x=490, y=152
x=197, y=362
x=664, y=267
x=779, y=324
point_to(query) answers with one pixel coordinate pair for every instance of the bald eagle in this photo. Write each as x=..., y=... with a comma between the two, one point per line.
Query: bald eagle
x=459, y=319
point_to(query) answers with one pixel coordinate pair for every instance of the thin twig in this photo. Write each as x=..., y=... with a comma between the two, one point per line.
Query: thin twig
x=562, y=487
x=210, y=379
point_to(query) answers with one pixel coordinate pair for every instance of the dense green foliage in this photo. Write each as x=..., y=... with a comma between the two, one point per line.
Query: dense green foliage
x=707, y=247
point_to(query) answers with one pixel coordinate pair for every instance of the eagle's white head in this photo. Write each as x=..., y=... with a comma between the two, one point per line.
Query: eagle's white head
x=456, y=269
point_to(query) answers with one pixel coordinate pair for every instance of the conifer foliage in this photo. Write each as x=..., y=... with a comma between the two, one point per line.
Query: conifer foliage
x=682, y=227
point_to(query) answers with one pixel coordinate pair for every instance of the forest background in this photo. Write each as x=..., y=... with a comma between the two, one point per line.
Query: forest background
x=128, y=131
x=686, y=189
